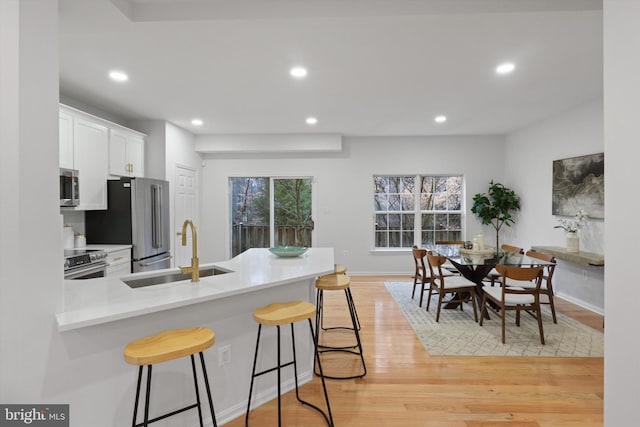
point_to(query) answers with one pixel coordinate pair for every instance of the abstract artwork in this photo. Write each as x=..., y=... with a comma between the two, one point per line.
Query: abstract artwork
x=578, y=183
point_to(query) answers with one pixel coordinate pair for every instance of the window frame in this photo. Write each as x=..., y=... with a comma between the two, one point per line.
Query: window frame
x=417, y=211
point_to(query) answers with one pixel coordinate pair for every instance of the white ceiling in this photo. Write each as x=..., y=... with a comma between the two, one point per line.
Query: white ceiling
x=376, y=67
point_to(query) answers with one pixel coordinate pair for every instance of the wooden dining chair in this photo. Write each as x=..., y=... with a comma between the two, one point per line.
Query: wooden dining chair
x=462, y=289
x=515, y=298
x=422, y=274
x=546, y=288
x=493, y=275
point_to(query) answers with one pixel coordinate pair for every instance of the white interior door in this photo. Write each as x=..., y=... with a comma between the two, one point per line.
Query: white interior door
x=185, y=208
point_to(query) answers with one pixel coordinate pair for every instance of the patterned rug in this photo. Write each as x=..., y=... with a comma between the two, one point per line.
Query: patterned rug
x=458, y=334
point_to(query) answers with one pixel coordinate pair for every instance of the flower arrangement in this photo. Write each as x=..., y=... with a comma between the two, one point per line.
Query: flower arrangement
x=573, y=225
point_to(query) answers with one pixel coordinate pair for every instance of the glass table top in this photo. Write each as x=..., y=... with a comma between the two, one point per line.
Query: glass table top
x=465, y=257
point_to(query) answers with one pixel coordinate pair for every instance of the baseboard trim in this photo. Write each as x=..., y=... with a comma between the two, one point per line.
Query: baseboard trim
x=580, y=303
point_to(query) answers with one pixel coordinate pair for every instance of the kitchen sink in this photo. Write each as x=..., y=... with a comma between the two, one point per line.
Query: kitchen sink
x=172, y=277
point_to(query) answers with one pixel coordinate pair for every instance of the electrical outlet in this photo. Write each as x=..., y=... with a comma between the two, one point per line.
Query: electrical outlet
x=345, y=253
x=224, y=355
x=584, y=275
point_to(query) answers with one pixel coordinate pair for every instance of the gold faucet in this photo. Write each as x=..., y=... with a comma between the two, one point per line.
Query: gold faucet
x=194, y=269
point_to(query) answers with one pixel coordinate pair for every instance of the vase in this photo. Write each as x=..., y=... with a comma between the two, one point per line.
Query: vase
x=573, y=243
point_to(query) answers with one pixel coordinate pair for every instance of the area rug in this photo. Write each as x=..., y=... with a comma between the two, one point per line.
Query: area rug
x=458, y=334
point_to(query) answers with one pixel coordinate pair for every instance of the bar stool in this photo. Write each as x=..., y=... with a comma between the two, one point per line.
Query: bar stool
x=162, y=347
x=278, y=314
x=338, y=269
x=335, y=282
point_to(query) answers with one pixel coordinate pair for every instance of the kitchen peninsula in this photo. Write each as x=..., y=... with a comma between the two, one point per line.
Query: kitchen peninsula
x=102, y=315
x=95, y=301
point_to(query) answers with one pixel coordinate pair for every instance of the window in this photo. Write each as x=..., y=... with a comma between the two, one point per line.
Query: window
x=268, y=211
x=417, y=210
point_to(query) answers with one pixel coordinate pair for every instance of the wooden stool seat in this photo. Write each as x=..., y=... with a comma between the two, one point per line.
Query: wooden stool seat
x=168, y=345
x=282, y=313
x=333, y=282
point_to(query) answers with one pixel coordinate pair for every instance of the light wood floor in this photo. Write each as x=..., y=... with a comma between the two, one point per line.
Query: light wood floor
x=406, y=387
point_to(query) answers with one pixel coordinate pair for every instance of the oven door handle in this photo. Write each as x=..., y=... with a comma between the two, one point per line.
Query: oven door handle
x=84, y=271
x=147, y=264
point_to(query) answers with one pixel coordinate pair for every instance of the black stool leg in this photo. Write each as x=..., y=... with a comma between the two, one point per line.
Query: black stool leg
x=328, y=419
x=253, y=376
x=356, y=329
x=319, y=311
x=147, y=397
x=314, y=337
x=206, y=383
x=279, y=378
x=135, y=407
x=352, y=306
x=195, y=383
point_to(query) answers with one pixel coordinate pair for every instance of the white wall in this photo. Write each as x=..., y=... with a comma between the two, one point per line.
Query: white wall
x=530, y=153
x=30, y=222
x=621, y=107
x=180, y=151
x=344, y=189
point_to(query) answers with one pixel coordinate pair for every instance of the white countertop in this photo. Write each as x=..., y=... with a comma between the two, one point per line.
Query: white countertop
x=95, y=301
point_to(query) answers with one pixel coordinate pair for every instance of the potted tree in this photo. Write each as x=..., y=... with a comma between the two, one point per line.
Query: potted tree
x=495, y=207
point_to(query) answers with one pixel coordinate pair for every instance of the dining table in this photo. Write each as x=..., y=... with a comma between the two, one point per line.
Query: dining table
x=475, y=264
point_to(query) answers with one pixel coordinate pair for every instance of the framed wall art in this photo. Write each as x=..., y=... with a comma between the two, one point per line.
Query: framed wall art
x=578, y=183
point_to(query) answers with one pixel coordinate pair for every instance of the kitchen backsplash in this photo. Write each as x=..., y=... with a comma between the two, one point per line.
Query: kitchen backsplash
x=75, y=219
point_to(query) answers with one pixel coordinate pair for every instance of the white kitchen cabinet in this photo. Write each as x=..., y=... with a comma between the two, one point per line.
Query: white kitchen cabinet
x=91, y=145
x=119, y=263
x=90, y=154
x=66, y=140
x=126, y=153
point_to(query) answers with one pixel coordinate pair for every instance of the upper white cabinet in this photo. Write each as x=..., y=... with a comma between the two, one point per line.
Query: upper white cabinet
x=126, y=153
x=98, y=149
x=66, y=140
x=90, y=153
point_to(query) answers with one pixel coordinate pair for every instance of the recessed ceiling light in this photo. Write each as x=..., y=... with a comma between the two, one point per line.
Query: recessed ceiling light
x=118, y=76
x=505, y=68
x=298, y=72
x=440, y=119
x=311, y=120
x=196, y=122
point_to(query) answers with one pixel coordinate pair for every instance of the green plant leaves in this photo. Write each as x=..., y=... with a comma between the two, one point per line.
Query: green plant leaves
x=495, y=206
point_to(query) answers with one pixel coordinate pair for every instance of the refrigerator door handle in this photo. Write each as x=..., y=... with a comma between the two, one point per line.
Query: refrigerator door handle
x=146, y=264
x=156, y=216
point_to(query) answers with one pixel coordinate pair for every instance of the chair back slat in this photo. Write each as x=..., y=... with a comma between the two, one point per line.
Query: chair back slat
x=510, y=248
x=523, y=274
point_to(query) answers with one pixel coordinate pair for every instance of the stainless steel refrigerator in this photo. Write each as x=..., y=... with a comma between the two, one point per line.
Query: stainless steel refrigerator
x=137, y=214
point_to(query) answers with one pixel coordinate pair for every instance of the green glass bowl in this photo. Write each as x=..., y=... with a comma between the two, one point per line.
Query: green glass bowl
x=288, y=251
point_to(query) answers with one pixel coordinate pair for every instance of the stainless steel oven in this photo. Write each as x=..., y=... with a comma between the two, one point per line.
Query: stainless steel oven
x=84, y=264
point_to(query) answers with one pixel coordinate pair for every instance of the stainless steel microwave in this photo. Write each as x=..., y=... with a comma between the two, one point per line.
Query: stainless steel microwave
x=69, y=187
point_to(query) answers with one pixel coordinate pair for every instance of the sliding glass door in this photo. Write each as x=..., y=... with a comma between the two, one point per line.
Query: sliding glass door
x=267, y=211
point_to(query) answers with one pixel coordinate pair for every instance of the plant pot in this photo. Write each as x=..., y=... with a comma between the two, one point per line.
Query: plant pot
x=573, y=243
